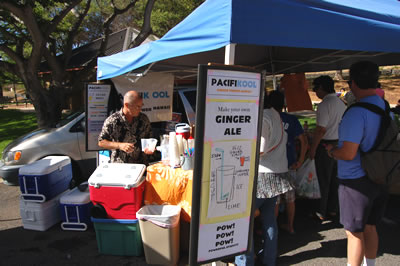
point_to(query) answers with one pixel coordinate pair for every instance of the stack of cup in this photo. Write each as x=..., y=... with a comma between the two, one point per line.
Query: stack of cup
x=173, y=152
x=179, y=140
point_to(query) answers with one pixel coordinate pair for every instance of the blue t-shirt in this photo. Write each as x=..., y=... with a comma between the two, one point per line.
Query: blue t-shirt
x=293, y=129
x=361, y=126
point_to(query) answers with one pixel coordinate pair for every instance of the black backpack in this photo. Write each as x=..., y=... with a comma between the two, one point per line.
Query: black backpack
x=382, y=161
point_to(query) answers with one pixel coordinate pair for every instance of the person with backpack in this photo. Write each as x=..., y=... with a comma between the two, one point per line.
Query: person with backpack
x=361, y=201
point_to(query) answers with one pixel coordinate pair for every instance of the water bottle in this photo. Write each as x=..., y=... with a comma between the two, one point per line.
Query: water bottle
x=164, y=149
x=173, y=152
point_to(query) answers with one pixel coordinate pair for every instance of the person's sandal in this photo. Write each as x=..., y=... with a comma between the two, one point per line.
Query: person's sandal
x=319, y=216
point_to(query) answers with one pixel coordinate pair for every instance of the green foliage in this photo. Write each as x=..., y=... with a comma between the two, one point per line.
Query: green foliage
x=14, y=124
x=166, y=14
x=311, y=121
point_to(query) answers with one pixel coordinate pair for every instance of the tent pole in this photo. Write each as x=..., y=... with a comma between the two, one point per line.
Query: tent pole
x=274, y=77
x=230, y=54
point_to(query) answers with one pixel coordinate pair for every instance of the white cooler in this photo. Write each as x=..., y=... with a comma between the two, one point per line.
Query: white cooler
x=75, y=210
x=40, y=216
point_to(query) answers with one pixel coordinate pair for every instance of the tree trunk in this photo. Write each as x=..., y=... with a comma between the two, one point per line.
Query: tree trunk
x=338, y=75
x=47, y=101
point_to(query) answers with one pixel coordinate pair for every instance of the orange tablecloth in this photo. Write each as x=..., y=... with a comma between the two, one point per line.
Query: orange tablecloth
x=166, y=185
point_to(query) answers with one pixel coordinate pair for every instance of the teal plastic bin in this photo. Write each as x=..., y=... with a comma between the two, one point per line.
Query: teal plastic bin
x=118, y=237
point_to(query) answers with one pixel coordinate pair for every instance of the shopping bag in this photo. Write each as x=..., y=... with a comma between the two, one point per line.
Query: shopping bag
x=166, y=216
x=306, y=181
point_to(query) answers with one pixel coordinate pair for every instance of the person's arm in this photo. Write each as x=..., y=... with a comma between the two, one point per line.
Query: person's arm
x=303, y=150
x=347, y=152
x=112, y=145
x=319, y=133
x=105, y=139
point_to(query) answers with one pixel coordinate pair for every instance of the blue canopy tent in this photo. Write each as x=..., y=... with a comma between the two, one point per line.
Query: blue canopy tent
x=279, y=36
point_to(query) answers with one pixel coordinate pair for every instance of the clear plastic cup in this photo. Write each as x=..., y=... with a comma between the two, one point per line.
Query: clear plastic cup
x=149, y=144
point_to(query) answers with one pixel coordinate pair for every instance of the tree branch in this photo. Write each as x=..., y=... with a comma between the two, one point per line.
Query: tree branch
x=88, y=70
x=11, y=54
x=52, y=60
x=58, y=18
x=24, y=13
x=73, y=32
x=13, y=9
x=107, y=24
x=146, y=27
x=8, y=36
x=8, y=67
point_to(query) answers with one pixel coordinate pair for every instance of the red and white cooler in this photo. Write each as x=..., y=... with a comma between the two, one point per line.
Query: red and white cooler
x=116, y=190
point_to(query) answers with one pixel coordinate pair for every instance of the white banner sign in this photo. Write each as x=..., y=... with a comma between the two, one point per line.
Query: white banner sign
x=97, y=100
x=157, y=90
x=223, y=239
x=229, y=160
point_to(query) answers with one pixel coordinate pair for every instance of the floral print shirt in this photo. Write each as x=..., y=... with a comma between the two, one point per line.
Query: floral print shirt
x=117, y=129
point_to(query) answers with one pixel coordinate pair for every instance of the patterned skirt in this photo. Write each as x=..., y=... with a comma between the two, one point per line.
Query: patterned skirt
x=270, y=185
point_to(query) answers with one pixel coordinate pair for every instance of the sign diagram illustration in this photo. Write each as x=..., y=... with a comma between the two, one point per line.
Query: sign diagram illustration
x=224, y=180
x=230, y=166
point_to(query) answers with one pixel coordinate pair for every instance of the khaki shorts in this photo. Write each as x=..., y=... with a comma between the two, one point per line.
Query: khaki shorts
x=361, y=202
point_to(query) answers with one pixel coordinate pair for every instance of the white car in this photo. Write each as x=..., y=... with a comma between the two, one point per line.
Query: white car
x=67, y=139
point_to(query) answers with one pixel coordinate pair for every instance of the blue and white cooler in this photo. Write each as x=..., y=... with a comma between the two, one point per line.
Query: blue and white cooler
x=44, y=179
x=75, y=210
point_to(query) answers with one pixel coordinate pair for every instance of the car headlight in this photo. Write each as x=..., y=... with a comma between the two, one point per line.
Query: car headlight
x=12, y=156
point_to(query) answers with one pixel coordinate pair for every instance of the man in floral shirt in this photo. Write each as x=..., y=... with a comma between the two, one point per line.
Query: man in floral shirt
x=122, y=132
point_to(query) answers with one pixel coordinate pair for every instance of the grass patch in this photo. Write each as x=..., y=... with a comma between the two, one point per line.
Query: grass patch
x=14, y=124
x=312, y=123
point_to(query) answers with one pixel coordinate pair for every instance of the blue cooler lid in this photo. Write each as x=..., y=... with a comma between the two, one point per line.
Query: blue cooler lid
x=75, y=196
x=45, y=166
x=127, y=175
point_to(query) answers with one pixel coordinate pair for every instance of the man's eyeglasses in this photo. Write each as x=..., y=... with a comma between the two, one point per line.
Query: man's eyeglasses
x=137, y=107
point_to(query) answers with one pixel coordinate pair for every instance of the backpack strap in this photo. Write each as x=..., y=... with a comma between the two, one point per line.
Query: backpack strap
x=371, y=107
x=385, y=119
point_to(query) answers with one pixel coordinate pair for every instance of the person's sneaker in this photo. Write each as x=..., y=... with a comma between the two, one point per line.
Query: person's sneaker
x=319, y=216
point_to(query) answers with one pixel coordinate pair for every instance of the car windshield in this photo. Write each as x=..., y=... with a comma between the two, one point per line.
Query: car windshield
x=67, y=119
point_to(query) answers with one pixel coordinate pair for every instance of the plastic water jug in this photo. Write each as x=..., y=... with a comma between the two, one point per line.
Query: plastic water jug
x=182, y=129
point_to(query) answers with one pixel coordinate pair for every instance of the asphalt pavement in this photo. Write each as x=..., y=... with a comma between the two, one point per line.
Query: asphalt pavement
x=314, y=243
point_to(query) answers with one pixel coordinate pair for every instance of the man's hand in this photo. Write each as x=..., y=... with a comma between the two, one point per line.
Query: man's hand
x=126, y=147
x=148, y=151
x=296, y=165
x=329, y=147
